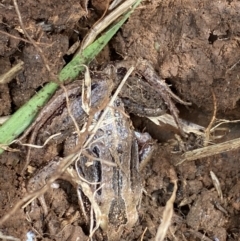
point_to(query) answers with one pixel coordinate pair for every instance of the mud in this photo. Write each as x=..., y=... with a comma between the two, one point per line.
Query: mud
x=194, y=46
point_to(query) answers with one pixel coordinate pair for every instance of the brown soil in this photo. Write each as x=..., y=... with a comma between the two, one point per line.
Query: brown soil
x=194, y=45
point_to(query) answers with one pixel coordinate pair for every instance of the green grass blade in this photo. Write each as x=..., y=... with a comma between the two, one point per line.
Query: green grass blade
x=24, y=116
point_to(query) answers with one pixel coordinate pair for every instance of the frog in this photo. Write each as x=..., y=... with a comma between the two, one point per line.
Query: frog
x=118, y=187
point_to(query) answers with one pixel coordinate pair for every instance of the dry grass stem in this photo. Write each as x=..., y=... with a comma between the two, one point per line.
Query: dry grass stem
x=36, y=146
x=22, y=39
x=66, y=223
x=142, y=236
x=7, y=237
x=222, y=121
x=100, y=219
x=69, y=110
x=29, y=37
x=208, y=129
x=98, y=159
x=199, y=235
x=233, y=66
x=7, y=148
x=15, y=37
x=167, y=215
x=73, y=48
x=114, y=4
x=186, y=125
x=210, y=150
x=83, y=179
x=86, y=91
x=84, y=214
x=21, y=202
x=104, y=23
x=216, y=184
x=8, y=76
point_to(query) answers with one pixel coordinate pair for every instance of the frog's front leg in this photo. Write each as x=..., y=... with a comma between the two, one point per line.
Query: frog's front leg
x=147, y=70
x=151, y=97
x=146, y=147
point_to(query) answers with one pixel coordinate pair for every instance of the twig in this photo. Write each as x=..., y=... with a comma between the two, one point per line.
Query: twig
x=103, y=15
x=114, y=4
x=199, y=235
x=208, y=129
x=7, y=237
x=222, y=121
x=186, y=125
x=8, y=76
x=29, y=37
x=210, y=150
x=167, y=215
x=216, y=184
x=36, y=146
x=142, y=236
x=109, y=163
x=100, y=26
x=100, y=218
x=22, y=39
x=69, y=109
x=233, y=66
x=7, y=148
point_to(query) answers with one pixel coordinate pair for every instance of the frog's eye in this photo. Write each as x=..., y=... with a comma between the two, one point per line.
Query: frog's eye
x=96, y=151
x=121, y=71
x=94, y=86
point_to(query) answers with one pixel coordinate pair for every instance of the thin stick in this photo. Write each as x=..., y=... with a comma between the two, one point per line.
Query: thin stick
x=208, y=129
x=37, y=146
x=100, y=26
x=199, y=235
x=93, y=229
x=8, y=237
x=186, y=125
x=233, y=66
x=99, y=20
x=167, y=215
x=69, y=110
x=222, y=121
x=142, y=236
x=8, y=76
x=29, y=37
x=210, y=150
x=22, y=39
